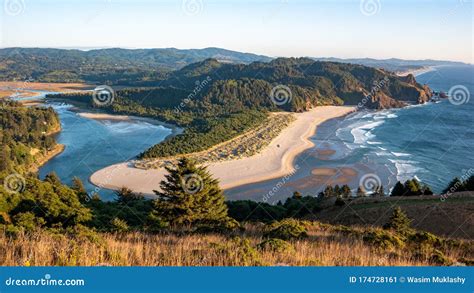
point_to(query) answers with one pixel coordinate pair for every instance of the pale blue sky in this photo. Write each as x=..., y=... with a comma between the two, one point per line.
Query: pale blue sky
x=437, y=29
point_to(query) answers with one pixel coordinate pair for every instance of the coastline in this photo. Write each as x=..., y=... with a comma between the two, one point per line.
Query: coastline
x=416, y=72
x=275, y=161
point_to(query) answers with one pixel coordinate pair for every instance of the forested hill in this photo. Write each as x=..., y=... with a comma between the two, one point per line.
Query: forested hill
x=106, y=66
x=295, y=83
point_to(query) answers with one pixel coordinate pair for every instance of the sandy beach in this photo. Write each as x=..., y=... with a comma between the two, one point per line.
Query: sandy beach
x=276, y=160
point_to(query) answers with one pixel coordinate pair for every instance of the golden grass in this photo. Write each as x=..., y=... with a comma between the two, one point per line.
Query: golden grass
x=323, y=247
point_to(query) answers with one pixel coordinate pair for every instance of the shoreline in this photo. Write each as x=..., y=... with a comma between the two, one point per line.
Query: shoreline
x=416, y=72
x=275, y=161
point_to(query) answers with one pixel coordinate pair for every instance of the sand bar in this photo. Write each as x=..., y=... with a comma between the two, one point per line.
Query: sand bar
x=276, y=160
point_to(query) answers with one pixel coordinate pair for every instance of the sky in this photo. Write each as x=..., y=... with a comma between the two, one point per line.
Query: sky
x=407, y=29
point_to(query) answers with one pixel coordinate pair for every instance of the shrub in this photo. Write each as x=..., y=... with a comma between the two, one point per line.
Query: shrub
x=275, y=245
x=382, y=239
x=437, y=257
x=286, y=229
x=119, y=225
x=423, y=238
x=28, y=221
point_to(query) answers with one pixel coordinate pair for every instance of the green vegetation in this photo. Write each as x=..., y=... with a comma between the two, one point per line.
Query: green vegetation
x=24, y=133
x=190, y=196
x=286, y=229
x=411, y=188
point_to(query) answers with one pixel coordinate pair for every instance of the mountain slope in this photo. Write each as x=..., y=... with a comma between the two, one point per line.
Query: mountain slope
x=116, y=66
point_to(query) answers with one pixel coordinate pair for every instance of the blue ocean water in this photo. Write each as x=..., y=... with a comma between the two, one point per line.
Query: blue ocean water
x=431, y=142
x=92, y=145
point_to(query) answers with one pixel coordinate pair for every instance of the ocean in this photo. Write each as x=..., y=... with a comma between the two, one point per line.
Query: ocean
x=431, y=142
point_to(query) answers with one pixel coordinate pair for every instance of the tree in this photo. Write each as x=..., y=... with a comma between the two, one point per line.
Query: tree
x=469, y=184
x=328, y=191
x=189, y=196
x=79, y=188
x=360, y=192
x=297, y=195
x=453, y=186
x=53, y=179
x=126, y=195
x=337, y=190
x=426, y=190
x=398, y=222
x=346, y=191
x=379, y=191
x=398, y=189
x=412, y=187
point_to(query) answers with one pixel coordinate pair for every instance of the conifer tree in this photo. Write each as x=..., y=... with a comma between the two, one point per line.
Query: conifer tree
x=398, y=189
x=190, y=195
x=360, y=192
x=398, y=222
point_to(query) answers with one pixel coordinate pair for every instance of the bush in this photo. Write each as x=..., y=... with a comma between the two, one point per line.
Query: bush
x=423, y=238
x=119, y=225
x=28, y=221
x=275, y=245
x=286, y=229
x=437, y=257
x=382, y=239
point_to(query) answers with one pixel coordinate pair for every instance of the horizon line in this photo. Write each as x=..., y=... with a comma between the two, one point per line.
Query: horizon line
x=91, y=48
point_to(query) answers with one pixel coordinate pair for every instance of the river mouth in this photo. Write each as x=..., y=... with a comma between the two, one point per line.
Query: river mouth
x=93, y=144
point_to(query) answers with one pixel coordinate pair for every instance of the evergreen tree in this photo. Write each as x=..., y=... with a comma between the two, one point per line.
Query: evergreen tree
x=379, y=191
x=79, y=188
x=337, y=190
x=454, y=185
x=398, y=189
x=412, y=187
x=190, y=195
x=297, y=195
x=398, y=222
x=346, y=191
x=360, y=192
x=469, y=184
x=426, y=190
x=53, y=179
x=328, y=191
x=126, y=195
